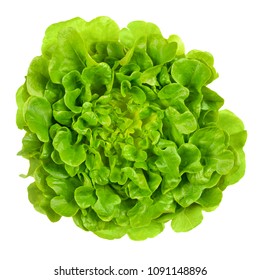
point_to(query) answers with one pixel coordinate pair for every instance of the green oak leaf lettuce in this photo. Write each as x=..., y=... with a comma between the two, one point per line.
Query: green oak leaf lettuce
x=122, y=132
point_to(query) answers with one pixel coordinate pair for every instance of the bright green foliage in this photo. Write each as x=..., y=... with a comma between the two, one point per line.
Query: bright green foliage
x=123, y=133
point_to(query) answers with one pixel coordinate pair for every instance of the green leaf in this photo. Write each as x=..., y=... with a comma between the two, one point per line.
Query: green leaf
x=142, y=233
x=41, y=203
x=229, y=122
x=63, y=187
x=190, y=158
x=70, y=100
x=53, y=92
x=100, y=175
x=185, y=123
x=69, y=55
x=63, y=207
x=71, y=154
x=72, y=80
x=210, y=199
x=222, y=162
x=187, y=218
x=138, y=95
x=186, y=193
x=206, y=58
x=37, y=76
x=131, y=153
x=115, y=49
x=107, y=203
x=85, y=196
x=238, y=170
x=21, y=96
x=180, y=51
x=139, y=214
x=31, y=145
x=204, y=178
x=164, y=76
x=61, y=113
x=101, y=29
x=136, y=30
x=38, y=116
x=211, y=100
x=50, y=39
x=160, y=50
x=57, y=171
x=149, y=76
x=105, y=229
x=168, y=161
x=138, y=186
x=174, y=95
x=97, y=75
x=209, y=140
x=117, y=176
x=190, y=73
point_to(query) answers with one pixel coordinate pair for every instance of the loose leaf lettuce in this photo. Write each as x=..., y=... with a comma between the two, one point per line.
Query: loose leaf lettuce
x=122, y=132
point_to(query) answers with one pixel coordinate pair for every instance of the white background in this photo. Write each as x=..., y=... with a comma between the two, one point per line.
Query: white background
x=227, y=242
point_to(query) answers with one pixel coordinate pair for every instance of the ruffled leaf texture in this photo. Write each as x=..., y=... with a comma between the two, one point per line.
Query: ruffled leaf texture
x=123, y=133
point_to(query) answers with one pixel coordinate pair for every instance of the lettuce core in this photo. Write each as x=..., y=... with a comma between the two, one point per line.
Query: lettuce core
x=123, y=133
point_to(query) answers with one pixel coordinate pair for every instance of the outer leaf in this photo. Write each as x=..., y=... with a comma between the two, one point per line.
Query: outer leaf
x=57, y=171
x=139, y=215
x=107, y=203
x=136, y=30
x=31, y=145
x=211, y=100
x=185, y=123
x=187, y=218
x=180, y=51
x=64, y=208
x=138, y=187
x=38, y=116
x=169, y=161
x=238, y=170
x=142, y=233
x=206, y=58
x=50, y=40
x=108, y=230
x=21, y=96
x=85, y=196
x=37, y=76
x=210, y=199
x=160, y=50
x=69, y=55
x=209, y=140
x=186, y=194
x=190, y=73
x=101, y=29
x=63, y=187
x=190, y=158
x=230, y=122
x=41, y=203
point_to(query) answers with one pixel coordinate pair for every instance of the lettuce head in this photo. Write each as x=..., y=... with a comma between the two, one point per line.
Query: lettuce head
x=122, y=132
